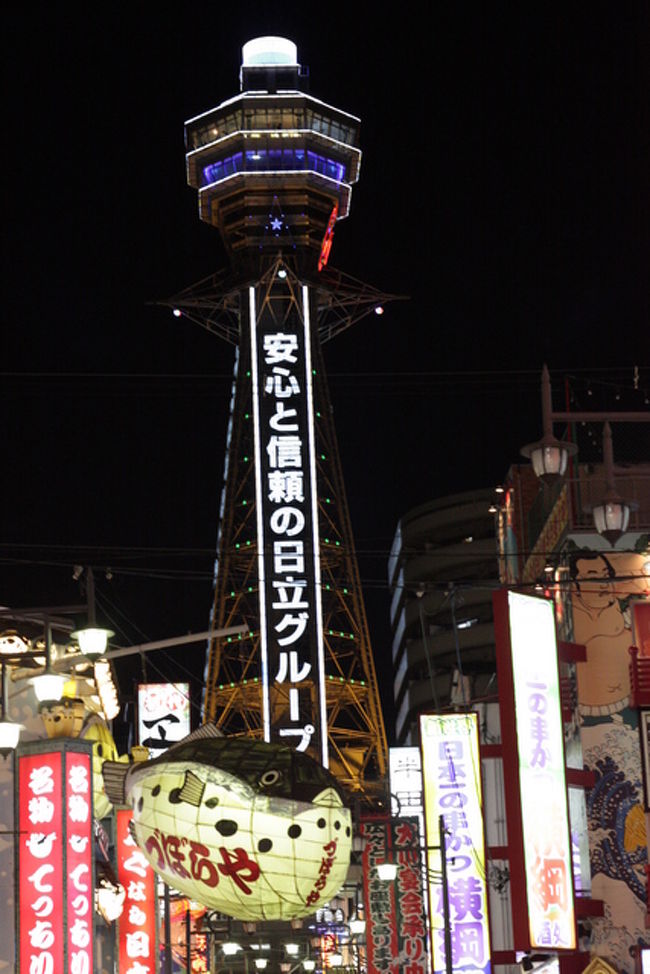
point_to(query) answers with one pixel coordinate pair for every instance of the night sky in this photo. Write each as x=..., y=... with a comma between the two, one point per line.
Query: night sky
x=504, y=189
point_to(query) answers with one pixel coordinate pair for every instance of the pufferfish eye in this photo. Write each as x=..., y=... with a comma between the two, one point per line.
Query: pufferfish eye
x=270, y=778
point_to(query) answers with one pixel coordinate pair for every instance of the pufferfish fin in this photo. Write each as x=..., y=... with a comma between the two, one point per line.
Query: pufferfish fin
x=328, y=797
x=202, y=732
x=192, y=790
x=114, y=774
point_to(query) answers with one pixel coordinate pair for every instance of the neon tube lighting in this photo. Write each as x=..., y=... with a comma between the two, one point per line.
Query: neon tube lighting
x=266, y=704
x=262, y=95
x=314, y=520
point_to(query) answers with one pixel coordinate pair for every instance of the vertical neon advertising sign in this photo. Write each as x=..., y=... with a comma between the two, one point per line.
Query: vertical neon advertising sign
x=291, y=636
x=137, y=930
x=451, y=769
x=55, y=858
x=533, y=750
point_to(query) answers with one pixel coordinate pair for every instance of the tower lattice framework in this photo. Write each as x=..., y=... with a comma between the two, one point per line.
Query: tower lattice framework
x=356, y=734
x=274, y=169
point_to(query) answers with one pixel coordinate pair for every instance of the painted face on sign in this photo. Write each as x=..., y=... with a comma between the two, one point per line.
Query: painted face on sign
x=600, y=583
x=254, y=830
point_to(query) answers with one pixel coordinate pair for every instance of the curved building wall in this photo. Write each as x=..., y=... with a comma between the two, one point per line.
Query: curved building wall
x=441, y=572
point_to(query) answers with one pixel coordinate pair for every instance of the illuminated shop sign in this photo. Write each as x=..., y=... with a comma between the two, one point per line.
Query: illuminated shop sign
x=253, y=830
x=451, y=769
x=536, y=797
x=405, y=766
x=55, y=859
x=395, y=914
x=137, y=924
x=163, y=715
x=291, y=638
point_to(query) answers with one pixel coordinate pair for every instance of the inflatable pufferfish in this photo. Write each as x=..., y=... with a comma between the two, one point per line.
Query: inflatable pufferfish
x=254, y=830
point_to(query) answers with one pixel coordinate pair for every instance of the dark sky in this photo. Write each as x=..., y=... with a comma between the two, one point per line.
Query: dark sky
x=504, y=188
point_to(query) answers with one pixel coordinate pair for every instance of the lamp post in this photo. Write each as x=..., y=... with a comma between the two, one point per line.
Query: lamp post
x=48, y=686
x=612, y=513
x=549, y=459
x=549, y=456
x=9, y=731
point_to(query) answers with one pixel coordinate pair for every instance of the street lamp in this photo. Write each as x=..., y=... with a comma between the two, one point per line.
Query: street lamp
x=48, y=685
x=230, y=948
x=611, y=514
x=387, y=871
x=92, y=640
x=549, y=456
x=9, y=731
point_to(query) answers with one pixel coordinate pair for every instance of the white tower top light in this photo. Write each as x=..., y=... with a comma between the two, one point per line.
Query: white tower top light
x=267, y=51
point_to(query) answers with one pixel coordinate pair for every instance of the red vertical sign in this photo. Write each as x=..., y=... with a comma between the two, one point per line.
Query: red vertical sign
x=40, y=863
x=138, y=921
x=55, y=858
x=379, y=897
x=79, y=862
x=411, y=922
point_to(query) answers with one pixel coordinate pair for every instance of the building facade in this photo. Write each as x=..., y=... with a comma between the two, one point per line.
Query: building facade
x=441, y=575
x=601, y=595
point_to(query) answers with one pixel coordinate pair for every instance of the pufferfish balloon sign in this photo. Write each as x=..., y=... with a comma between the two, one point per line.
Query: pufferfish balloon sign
x=254, y=830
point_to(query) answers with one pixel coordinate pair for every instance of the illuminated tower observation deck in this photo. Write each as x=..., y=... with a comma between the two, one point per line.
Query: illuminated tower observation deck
x=274, y=169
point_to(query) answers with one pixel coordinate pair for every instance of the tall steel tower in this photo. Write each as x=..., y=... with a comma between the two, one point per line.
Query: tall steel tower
x=274, y=169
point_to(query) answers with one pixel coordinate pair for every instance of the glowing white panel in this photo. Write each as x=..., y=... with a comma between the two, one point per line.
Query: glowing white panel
x=288, y=545
x=405, y=765
x=543, y=796
x=163, y=715
x=451, y=769
x=267, y=51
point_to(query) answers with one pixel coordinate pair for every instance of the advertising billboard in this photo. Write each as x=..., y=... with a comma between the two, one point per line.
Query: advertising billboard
x=163, y=715
x=536, y=796
x=291, y=625
x=451, y=769
x=137, y=925
x=55, y=858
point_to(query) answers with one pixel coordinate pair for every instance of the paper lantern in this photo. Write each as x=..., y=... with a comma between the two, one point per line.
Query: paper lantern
x=254, y=830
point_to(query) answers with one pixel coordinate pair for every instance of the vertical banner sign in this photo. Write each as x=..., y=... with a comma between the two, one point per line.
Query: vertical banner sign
x=405, y=775
x=411, y=922
x=533, y=752
x=80, y=886
x=379, y=897
x=137, y=925
x=163, y=715
x=451, y=770
x=291, y=628
x=55, y=860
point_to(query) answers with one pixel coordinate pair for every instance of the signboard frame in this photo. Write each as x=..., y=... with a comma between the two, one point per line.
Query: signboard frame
x=515, y=708
x=288, y=545
x=451, y=772
x=63, y=880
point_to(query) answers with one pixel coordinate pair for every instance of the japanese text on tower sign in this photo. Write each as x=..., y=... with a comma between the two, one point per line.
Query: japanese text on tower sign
x=288, y=552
